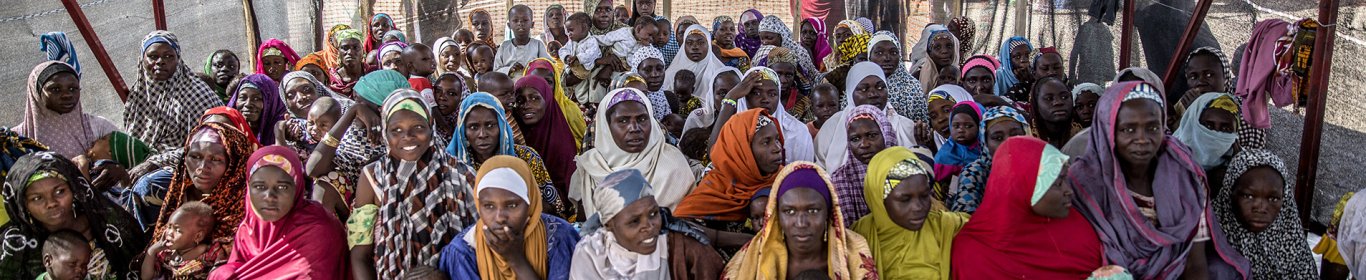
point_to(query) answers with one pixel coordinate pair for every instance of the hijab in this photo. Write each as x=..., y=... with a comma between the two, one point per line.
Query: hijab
x=161, y=113
x=272, y=47
x=235, y=120
x=1143, y=74
x=849, y=177
x=378, y=85
x=904, y=92
x=70, y=134
x=698, y=68
x=330, y=52
x=58, y=48
x=226, y=197
x=953, y=156
x=822, y=47
x=1280, y=251
x=319, y=89
x=1005, y=76
x=567, y=108
x=126, y=150
x=511, y=174
x=797, y=142
x=663, y=164
x=742, y=40
x=1006, y=239
x=920, y=53
x=902, y=253
x=599, y=255
x=658, y=101
x=548, y=136
x=972, y=183
x=370, y=43
x=833, y=135
x=802, y=58
x=724, y=192
x=1351, y=233
x=1208, y=146
x=1259, y=80
x=273, y=110
x=459, y=147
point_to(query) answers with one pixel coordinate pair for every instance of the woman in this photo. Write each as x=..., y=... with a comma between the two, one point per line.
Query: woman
x=747, y=37
x=696, y=57
x=801, y=58
x=287, y=235
x=529, y=244
x=815, y=42
x=482, y=132
x=998, y=124
x=1118, y=183
x=763, y=92
x=165, y=102
x=554, y=20
x=542, y=120
x=300, y=89
x=1051, y=109
x=450, y=57
x=865, y=85
x=212, y=171
x=632, y=237
x=551, y=71
x=258, y=98
x=979, y=75
x=801, y=209
x=869, y=134
x=379, y=24
x=388, y=231
x=350, y=62
x=221, y=71
x=330, y=49
x=356, y=140
x=745, y=158
x=936, y=49
x=626, y=141
x=1080, y=142
x=40, y=189
x=724, y=44
x=313, y=64
x=1029, y=228
x=910, y=233
x=649, y=58
x=843, y=31
x=1256, y=210
x=275, y=58
x=1209, y=128
x=905, y=91
x=53, y=113
x=1014, y=56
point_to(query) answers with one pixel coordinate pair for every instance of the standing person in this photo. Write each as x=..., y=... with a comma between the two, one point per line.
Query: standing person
x=998, y=124
x=482, y=131
x=1255, y=208
x=630, y=139
x=632, y=237
x=165, y=102
x=910, y=233
x=554, y=25
x=275, y=58
x=804, y=230
x=936, y=50
x=350, y=61
x=258, y=98
x=724, y=43
x=515, y=52
x=512, y=239
x=748, y=36
x=53, y=113
x=221, y=71
x=286, y=235
x=1138, y=171
x=905, y=91
x=482, y=23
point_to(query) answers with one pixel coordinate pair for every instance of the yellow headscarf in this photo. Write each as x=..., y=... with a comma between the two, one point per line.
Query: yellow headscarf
x=491, y=265
x=902, y=253
x=572, y=114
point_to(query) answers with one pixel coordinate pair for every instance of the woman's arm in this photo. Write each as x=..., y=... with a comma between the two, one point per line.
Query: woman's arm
x=320, y=162
x=363, y=262
x=729, y=109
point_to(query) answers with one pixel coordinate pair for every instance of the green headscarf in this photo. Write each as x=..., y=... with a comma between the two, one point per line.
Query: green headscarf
x=376, y=86
x=126, y=150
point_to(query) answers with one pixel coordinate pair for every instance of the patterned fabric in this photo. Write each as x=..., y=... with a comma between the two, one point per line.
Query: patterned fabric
x=902, y=253
x=59, y=48
x=965, y=30
x=849, y=177
x=1279, y=251
x=972, y=182
x=273, y=109
x=658, y=100
x=904, y=91
x=1005, y=76
x=796, y=54
x=226, y=197
x=161, y=113
x=745, y=41
x=70, y=134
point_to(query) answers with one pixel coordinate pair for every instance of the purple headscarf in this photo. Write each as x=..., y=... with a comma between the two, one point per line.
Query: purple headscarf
x=1130, y=241
x=750, y=45
x=271, y=113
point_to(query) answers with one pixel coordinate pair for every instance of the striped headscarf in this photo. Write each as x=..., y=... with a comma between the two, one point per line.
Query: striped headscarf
x=59, y=48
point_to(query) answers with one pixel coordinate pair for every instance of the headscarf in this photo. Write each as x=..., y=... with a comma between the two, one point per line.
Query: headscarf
x=659, y=103
x=1351, y=234
x=972, y=183
x=847, y=50
x=459, y=147
x=1006, y=239
x=799, y=54
x=724, y=192
x=161, y=113
x=1085, y=87
x=126, y=150
x=833, y=135
x=904, y=92
x=425, y=202
x=848, y=178
x=953, y=156
x=70, y=134
x=797, y=142
x=59, y=48
x=272, y=112
x=606, y=259
x=512, y=174
x=765, y=256
x=547, y=36
x=822, y=47
x=226, y=196
x=705, y=115
x=235, y=121
x=698, y=68
x=208, y=71
x=271, y=47
x=1280, y=251
x=441, y=44
x=371, y=43
x=315, y=59
x=395, y=46
x=981, y=60
x=1142, y=73
x=965, y=30
x=663, y=164
x=307, y=242
x=853, y=46
x=330, y=43
x=1105, y=200
x=1005, y=76
x=1208, y=147
x=902, y=253
x=377, y=85
x=567, y=108
x=1258, y=81
x=742, y=40
x=547, y=137
x=920, y=54
x=319, y=89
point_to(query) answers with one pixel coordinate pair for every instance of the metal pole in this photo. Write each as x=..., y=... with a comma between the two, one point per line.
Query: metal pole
x=96, y=47
x=159, y=11
x=253, y=33
x=1192, y=29
x=1126, y=38
x=1313, y=120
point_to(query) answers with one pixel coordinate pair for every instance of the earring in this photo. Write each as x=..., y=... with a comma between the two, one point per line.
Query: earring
x=826, y=236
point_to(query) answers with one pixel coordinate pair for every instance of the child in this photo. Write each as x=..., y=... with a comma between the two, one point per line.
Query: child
x=758, y=204
x=514, y=53
x=480, y=59
x=186, y=252
x=948, y=76
x=662, y=36
x=940, y=104
x=825, y=102
x=66, y=256
x=420, y=66
x=622, y=15
x=464, y=37
x=581, y=51
x=694, y=146
x=303, y=135
x=624, y=41
x=684, y=85
x=673, y=125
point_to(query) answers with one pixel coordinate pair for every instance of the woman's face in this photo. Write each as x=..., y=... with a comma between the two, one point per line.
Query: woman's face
x=637, y=226
x=251, y=103
x=62, y=93
x=1258, y=195
x=886, y=54
x=809, y=36
x=979, y=81
x=275, y=66
x=645, y=7
x=448, y=95
x=1086, y=106
x=301, y=94
x=964, y=129
x=350, y=52
x=841, y=34
x=545, y=74
x=908, y=204
x=531, y=107
x=1057, y=201
x=501, y=209
x=770, y=39
x=726, y=35
x=696, y=48
x=1219, y=120
x=998, y=132
x=272, y=192
x=787, y=74
x=1206, y=73
x=865, y=139
x=317, y=72
x=225, y=67
x=751, y=28
x=555, y=20
x=379, y=27
x=483, y=26
x=160, y=61
x=1019, y=59
x=939, y=115
x=49, y=201
x=653, y=72
x=603, y=15
x=1054, y=102
x=942, y=50
x=407, y=134
x=482, y=131
x=630, y=126
x=1139, y=129
x=207, y=163
x=871, y=91
x=1049, y=65
x=768, y=149
x=763, y=95
x=451, y=59
x=804, y=216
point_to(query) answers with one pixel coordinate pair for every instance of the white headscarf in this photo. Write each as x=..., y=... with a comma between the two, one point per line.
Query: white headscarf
x=920, y=54
x=833, y=142
x=797, y=145
x=706, y=114
x=698, y=68
x=662, y=164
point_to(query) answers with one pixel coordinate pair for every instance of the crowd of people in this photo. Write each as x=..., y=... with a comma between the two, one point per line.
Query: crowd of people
x=620, y=145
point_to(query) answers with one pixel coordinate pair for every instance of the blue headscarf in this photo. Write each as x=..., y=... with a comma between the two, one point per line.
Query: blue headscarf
x=59, y=48
x=459, y=146
x=953, y=156
x=1005, y=77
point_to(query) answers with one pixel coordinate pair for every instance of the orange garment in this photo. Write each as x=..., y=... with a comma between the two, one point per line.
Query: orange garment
x=724, y=193
x=315, y=58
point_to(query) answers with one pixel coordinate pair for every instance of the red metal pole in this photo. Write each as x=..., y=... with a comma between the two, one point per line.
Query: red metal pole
x=1192, y=30
x=1313, y=119
x=159, y=12
x=93, y=40
x=1126, y=39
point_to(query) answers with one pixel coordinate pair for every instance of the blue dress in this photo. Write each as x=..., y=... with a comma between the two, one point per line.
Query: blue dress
x=458, y=259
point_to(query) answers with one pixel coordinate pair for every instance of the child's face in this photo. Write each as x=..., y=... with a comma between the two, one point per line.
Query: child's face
x=645, y=35
x=577, y=30
x=661, y=37
x=184, y=231
x=684, y=83
x=964, y=129
x=948, y=76
x=756, y=212
x=69, y=266
x=622, y=14
x=826, y=104
x=673, y=123
x=322, y=122
x=482, y=58
x=939, y=115
x=424, y=65
x=464, y=37
x=100, y=150
x=520, y=23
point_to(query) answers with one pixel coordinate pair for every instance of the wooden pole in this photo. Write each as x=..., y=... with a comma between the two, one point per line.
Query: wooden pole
x=253, y=33
x=96, y=47
x=159, y=11
x=319, y=28
x=1322, y=58
x=1126, y=38
x=1192, y=30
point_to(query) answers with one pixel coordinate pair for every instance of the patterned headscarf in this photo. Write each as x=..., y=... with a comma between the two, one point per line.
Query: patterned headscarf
x=1279, y=251
x=330, y=52
x=849, y=177
x=226, y=197
x=161, y=113
x=798, y=53
x=319, y=90
x=965, y=30
x=853, y=46
x=950, y=160
x=972, y=183
x=742, y=40
x=59, y=48
x=657, y=98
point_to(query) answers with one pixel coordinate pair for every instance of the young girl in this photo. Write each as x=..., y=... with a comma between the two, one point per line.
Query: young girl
x=185, y=251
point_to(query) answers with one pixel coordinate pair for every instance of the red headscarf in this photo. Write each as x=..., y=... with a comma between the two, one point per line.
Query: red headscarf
x=238, y=121
x=822, y=47
x=371, y=43
x=290, y=56
x=1005, y=239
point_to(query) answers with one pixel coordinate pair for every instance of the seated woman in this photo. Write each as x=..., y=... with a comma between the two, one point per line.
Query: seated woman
x=747, y=157
x=355, y=141
x=1029, y=219
x=979, y=75
x=46, y=193
x=869, y=134
x=937, y=49
x=910, y=233
x=865, y=85
x=629, y=138
x=165, y=102
x=803, y=231
x=482, y=132
x=300, y=89
x=547, y=117
x=998, y=124
x=258, y=98
x=761, y=88
x=287, y=236
x=350, y=62
x=1257, y=210
x=632, y=237
x=1051, y=108
x=275, y=58
x=411, y=201
x=213, y=170
x=222, y=69
x=1211, y=134
x=512, y=238
x=1133, y=169
x=53, y=114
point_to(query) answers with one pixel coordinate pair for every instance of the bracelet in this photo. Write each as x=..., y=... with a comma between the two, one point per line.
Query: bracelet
x=330, y=141
x=730, y=102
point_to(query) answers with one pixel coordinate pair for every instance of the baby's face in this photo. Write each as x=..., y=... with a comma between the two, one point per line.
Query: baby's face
x=69, y=266
x=577, y=30
x=320, y=124
x=183, y=232
x=100, y=150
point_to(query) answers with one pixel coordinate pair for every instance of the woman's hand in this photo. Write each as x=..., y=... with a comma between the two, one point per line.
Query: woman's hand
x=745, y=86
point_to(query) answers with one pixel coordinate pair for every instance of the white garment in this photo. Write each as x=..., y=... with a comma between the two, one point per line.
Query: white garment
x=699, y=69
x=797, y=145
x=510, y=53
x=587, y=51
x=833, y=144
x=622, y=41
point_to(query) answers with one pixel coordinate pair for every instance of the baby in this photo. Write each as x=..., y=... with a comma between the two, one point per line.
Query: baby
x=481, y=58
x=185, y=251
x=627, y=39
x=303, y=134
x=581, y=51
x=66, y=256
